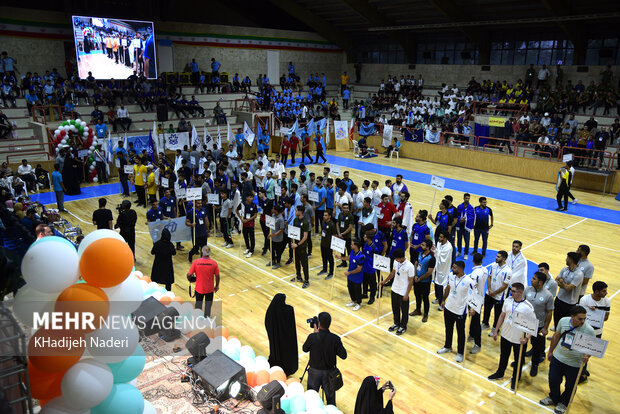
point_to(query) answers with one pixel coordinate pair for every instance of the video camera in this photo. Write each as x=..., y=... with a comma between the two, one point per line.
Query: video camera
x=314, y=322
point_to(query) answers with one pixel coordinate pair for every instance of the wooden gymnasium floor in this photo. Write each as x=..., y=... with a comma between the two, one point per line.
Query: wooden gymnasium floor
x=425, y=381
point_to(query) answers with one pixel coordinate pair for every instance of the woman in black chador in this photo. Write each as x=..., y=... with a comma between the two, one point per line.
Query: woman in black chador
x=282, y=333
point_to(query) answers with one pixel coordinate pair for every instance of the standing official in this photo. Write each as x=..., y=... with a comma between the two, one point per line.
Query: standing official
x=403, y=274
x=300, y=248
x=197, y=219
x=569, y=286
x=206, y=270
x=482, y=225
x=329, y=230
x=458, y=287
x=517, y=263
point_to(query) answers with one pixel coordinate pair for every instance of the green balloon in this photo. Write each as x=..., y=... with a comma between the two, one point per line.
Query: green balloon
x=81, y=130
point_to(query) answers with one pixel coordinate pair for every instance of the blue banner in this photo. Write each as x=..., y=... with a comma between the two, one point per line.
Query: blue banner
x=140, y=142
x=179, y=232
x=367, y=130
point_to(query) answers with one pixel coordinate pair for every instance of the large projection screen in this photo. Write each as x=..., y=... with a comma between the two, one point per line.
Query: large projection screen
x=114, y=48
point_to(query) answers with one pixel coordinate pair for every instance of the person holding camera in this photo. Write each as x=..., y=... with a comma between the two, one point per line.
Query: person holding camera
x=324, y=346
x=126, y=222
x=370, y=398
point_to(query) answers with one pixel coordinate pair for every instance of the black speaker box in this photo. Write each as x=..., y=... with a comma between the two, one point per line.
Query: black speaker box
x=218, y=373
x=196, y=345
x=162, y=112
x=146, y=313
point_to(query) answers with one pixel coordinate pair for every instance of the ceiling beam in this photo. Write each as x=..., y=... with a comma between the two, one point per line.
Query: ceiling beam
x=317, y=24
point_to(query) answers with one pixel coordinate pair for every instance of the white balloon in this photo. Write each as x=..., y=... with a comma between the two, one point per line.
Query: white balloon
x=63, y=141
x=85, y=134
x=96, y=235
x=138, y=273
x=29, y=300
x=234, y=343
x=156, y=295
x=92, y=148
x=58, y=148
x=274, y=369
x=262, y=364
x=125, y=337
x=125, y=297
x=247, y=363
x=51, y=266
x=313, y=400
x=143, y=284
x=59, y=406
x=295, y=388
x=186, y=308
x=148, y=408
x=284, y=386
x=87, y=383
x=91, y=168
x=57, y=132
x=78, y=121
x=83, y=123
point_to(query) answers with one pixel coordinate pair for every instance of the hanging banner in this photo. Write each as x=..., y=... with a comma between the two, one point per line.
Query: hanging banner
x=497, y=121
x=387, y=135
x=179, y=232
x=341, y=130
x=176, y=140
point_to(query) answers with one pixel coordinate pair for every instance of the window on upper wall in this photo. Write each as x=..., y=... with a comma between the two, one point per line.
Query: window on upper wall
x=604, y=51
x=538, y=52
x=380, y=52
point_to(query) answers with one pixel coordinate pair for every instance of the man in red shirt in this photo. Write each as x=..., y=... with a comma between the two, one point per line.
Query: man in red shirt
x=305, y=149
x=294, y=140
x=385, y=216
x=205, y=270
x=284, y=148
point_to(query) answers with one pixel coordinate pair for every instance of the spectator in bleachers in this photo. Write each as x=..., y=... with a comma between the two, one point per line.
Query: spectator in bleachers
x=8, y=93
x=6, y=127
x=123, y=118
x=26, y=173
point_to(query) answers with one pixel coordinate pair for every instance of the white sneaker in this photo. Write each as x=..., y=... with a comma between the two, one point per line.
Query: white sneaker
x=228, y=246
x=350, y=304
x=444, y=350
x=466, y=257
x=246, y=251
x=356, y=307
x=474, y=350
x=224, y=244
x=574, y=201
x=248, y=255
x=435, y=301
x=459, y=357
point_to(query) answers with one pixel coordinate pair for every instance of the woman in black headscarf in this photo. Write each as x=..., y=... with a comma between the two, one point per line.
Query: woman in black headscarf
x=70, y=174
x=163, y=271
x=370, y=399
x=282, y=333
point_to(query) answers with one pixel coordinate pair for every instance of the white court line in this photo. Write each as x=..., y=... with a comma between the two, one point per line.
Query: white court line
x=370, y=323
x=551, y=235
x=614, y=295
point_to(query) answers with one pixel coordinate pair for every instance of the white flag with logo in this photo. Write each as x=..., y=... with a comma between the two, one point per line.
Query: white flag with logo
x=195, y=139
x=229, y=135
x=387, y=135
x=207, y=139
x=248, y=134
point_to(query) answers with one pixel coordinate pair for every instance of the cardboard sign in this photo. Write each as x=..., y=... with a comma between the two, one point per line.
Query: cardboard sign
x=277, y=191
x=82, y=153
x=128, y=169
x=180, y=193
x=193, y=194
x=475, y=301
x=438, y=183
x=334, y=170
x=270, y=222
x=117, y=163
x=381, y=263
x=213, y=198
x=338, y=245
x=590, y=345
x=294, y=232
x=313, y=196
x=164, y=182
x=526, y=322
x=567, y=157
x=595, y=317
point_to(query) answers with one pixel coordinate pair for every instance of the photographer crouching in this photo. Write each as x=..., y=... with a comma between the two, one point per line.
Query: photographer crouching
x=324, y=346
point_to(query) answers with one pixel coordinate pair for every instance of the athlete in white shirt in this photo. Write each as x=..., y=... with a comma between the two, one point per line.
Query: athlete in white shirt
x=497, y=283
x=518, y=264
x=443, y=257
x=479, y=276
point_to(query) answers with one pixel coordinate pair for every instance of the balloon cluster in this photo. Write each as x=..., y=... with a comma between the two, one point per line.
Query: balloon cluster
x=66, y=136
x=88, y=379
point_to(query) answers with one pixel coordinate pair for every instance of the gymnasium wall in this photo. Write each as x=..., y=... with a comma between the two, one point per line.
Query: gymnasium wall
x=37, y=39
x=461, y=74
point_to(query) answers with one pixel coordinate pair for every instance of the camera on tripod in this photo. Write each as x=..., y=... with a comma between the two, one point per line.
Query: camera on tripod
x=314, y=322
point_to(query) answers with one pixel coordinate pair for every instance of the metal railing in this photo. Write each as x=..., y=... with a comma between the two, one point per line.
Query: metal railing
x=22, y=154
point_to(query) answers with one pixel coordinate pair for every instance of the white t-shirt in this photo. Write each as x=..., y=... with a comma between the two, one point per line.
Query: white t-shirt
x=587, y=269
x=122, y=113
x=479, y=275
x=574, y=277
x=259, y=177
x=603, y=305
x=518, y=266
x=499, y=275
x=443, y=257
x=508, y=330
x=23, y=170
x=403, y=273
x=459, y=290
x=386, y=190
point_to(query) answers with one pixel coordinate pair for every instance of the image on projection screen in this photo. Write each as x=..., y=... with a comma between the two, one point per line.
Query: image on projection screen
x=114, y=48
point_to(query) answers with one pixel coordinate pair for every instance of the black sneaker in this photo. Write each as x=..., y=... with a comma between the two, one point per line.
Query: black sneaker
x=495, y=376
x=293, y=279
x=264, y=252
x=401, y=331
x=329, y=276
x=342, y=265
x=393, y=328
x=189, y=257
x=365, y=296
x=529, y=353
x=322, y=272
x=533, y=370
x=371, y=300
x=289, y=261
x=305, y=285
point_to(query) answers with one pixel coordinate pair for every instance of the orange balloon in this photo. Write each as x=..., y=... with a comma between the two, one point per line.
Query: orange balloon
x=221, y=331
x=277, y=376
x=146, y=279
x=106, y=262
x=165, y=300
x=84, y=298
x=44, y=385
x=178, y=299
x=251, y=377
x=49, y=351
x=262, y=377
x=210, y=332
x=291, y=380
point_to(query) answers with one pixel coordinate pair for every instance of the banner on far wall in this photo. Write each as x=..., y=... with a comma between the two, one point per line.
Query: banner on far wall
x=176, y=140
x=387, y=135
x=497, y=121
x=341, y=130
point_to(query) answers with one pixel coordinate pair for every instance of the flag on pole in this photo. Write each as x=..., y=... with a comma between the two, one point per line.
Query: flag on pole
x=229, y=135
x=195, y=139
x=248, y=135
x=311, y=127
x=125, y=145
x=351, y=130
x=259, y=131
x=207, y=139
x=150, y=147
x=155, y=142
x=219, y=137
x=294, y=129
x=107, y=147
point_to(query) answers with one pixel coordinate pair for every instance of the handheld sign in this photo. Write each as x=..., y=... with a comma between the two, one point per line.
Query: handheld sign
x=164, y=182
x=82, y=153
x=277, y=190
x=180, y=193
x=475, y=302
x=313, y=196
x=193, y=194
x=128, y=169
x=595, y=317
x=338, y=245
x=334, y=170
x=590, y=345
x=270, y=222
x=381, y=263
x=213, y=198
x=526, y=322
x=117, y=163
x=567, y=157
x=438, y=183
x=294, y=232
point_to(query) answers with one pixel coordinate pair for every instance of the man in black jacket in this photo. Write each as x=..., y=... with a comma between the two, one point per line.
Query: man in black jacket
x=126, y=222
x=323, y=346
